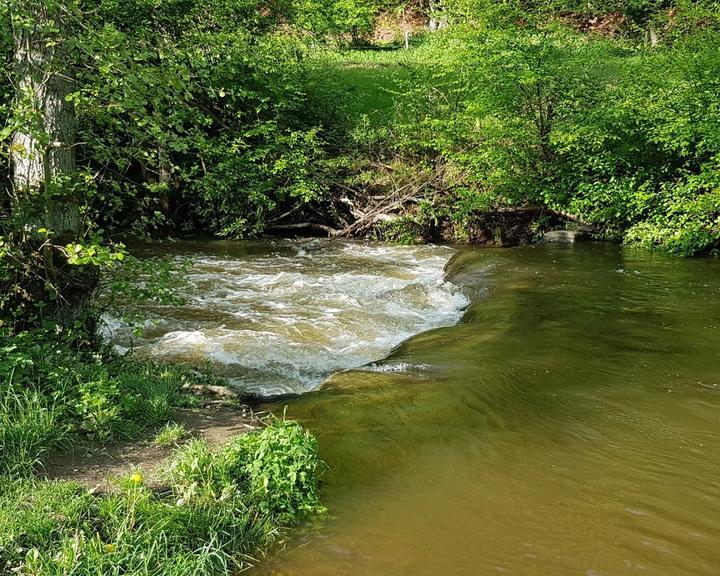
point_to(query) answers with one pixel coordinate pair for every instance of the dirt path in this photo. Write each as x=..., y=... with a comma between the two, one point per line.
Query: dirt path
x=215, y=424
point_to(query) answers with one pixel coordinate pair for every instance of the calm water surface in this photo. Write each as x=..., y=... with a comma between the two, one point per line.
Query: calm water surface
x=569, y=424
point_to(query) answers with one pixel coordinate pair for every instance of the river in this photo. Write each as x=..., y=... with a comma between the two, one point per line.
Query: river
x=547, y=410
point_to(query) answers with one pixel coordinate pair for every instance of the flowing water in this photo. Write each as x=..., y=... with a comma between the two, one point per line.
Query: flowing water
x=279, y=317
x=569, y=424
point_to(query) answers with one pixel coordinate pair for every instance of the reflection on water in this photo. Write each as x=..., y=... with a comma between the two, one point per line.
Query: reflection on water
x=568, y=425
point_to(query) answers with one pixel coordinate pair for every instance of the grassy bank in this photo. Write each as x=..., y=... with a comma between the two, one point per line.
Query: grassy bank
x=56, y=394
x=215, y=509
x=525, y=112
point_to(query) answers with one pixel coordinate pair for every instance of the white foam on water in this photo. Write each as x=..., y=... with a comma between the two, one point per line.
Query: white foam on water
x=398, y=367
x=282, y=322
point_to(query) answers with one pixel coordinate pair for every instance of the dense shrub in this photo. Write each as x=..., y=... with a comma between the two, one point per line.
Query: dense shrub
x=274, y=468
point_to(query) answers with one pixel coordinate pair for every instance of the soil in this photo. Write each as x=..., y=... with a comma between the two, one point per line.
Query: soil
x=215, y=423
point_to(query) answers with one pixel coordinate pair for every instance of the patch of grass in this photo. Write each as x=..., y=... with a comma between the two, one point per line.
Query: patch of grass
x=221, y=506
x=362, y=86
x=218, y=507
x=170, y=434
x=38, y=513
x=30, y=426
x=52, y=393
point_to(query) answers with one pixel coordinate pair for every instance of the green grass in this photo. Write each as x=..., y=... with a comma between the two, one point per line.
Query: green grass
x=30, y=426
x=361, y=86
x=219, y=507
x=170, y=434
x=52, y=394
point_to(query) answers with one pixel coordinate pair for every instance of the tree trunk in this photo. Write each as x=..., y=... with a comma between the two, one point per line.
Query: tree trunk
x=652, y=35
x=438, y=20
x=43, y=149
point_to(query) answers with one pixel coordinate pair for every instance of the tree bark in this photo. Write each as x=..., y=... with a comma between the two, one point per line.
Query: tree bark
x=652, y=35
x=43, y=149
x=438, y=20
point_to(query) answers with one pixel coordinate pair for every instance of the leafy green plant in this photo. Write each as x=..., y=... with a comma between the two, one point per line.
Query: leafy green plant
x=97, y=408
x=274, y=468
x=279, y=464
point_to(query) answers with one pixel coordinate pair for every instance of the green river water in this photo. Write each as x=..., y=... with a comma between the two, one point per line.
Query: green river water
x=565, y=422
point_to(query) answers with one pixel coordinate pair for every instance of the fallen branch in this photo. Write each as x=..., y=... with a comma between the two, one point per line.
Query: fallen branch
x=373, y=216
x=285, y=215
x=392, y=202
x=311, y=225
x=574, y=218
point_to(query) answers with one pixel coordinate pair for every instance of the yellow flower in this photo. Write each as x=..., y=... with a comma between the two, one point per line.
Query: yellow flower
x=136, y=478
x=110, y=548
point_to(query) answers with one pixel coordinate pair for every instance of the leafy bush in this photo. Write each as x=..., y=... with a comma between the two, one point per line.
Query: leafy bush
x=37, y=284
x=273, y=468
x=193, y=119
x=337, y=18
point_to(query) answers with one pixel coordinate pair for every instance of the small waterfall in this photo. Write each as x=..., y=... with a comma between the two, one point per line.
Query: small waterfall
x=282, y=320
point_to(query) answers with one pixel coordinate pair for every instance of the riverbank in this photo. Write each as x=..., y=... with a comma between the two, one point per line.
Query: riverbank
x=497, y=129
x=214, y=487
x=97, y=466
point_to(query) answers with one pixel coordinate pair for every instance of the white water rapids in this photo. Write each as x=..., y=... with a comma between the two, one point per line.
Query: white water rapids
x=282, y=318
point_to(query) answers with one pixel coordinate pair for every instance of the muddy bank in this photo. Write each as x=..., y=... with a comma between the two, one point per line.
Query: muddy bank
x=404, y=221
x=97, y=466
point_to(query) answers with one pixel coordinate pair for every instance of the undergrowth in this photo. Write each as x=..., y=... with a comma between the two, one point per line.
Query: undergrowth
x=53, y=393
x=218, y=509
